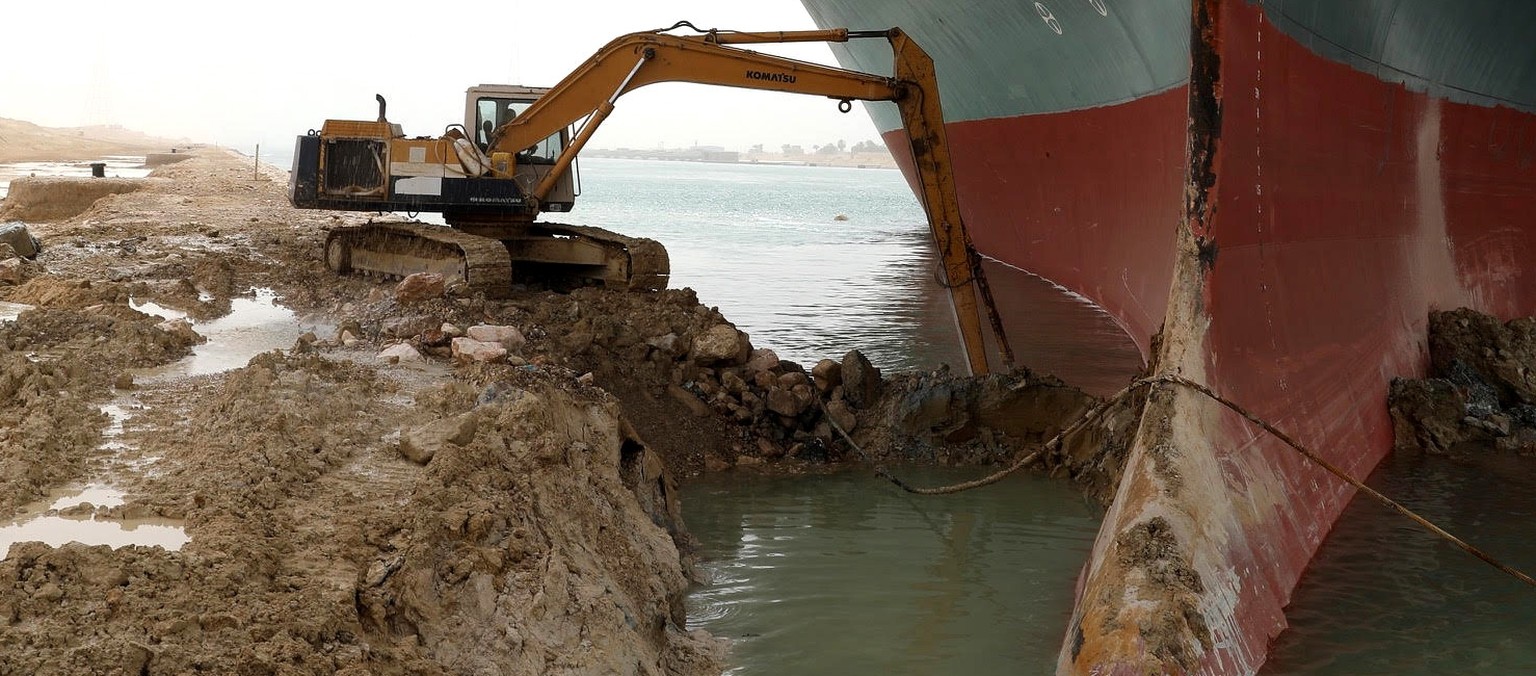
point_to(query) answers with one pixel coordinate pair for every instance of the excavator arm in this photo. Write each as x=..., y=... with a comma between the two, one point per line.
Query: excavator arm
x=639, y=59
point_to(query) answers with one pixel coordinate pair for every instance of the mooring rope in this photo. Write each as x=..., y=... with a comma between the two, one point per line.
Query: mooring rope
x=1098, y=411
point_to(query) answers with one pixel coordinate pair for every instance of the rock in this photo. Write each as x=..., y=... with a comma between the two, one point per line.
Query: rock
x=839, y=413
x=400, y=353
x=182, y=330
x=790, y=380
x=469, y=349
x=714, y=464
x=21, y=242
x=695, y=406
x=347, y=338
x=803, y=395
x=421, y=444
x=733, y=383
x=763, y=359
x=507, y=336
x=49, y=592
x=403, y=327
x=124, y=381
x=347, y=326
x=450, y=330
x=585, y=379
x=419, y=287
x=436, y=338
x=13, y=272
x=667, y=343
x=784, y=402
x=765, y=380
x=861, y=380
x=827, y=375
x=722, y=344
x=768, y=449
x=748, y=461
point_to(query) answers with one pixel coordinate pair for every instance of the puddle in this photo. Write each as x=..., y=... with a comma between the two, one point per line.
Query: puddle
x=41, y=522
x=100, y=495
x=253, y=326
x=10, y=311
x=156, y=309
x=119, y=412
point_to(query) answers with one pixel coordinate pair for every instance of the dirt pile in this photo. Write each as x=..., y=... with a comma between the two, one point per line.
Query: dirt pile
x=47, y=198
x=1481, y=393
x=316, y=549
x=55, y=364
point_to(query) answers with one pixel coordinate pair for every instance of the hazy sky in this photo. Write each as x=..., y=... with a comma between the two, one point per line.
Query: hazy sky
x=238, y=74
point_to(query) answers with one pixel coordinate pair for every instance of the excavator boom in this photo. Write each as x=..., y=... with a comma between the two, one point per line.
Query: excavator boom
x=586, y=97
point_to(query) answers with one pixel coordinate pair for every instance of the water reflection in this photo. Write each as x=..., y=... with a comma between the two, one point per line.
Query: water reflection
x=253, y=326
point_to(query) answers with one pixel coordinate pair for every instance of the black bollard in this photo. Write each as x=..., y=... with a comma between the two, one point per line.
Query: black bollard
x=99, y=169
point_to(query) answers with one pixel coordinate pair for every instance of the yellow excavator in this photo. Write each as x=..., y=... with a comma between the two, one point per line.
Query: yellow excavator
x=512, y=160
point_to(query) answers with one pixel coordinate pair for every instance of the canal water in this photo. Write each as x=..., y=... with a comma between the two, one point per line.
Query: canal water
x=766, y=245
x=1384, y=596
x=846, y=574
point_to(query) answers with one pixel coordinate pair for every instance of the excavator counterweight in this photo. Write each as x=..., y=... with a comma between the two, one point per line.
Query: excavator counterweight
x=514, y=156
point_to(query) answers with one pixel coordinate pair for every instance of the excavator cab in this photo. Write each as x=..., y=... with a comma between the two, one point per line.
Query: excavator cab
x=488, y=107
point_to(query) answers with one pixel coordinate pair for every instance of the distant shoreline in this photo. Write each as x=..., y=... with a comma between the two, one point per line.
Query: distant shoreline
x=840, y=159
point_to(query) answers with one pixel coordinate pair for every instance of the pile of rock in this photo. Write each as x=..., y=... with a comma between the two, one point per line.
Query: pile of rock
x=666, y=354
x=1481, y=393
x=793, y=411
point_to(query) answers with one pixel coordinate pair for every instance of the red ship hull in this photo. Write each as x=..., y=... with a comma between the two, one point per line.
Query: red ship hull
x=1288, y=221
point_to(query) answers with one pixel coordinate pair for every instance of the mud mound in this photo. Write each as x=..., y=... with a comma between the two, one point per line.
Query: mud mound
x=531, y=521
x=1481, y=393
x=316, y=549
x=56, y=365
x=62, y=292
x=49, y=198
x=47, y=428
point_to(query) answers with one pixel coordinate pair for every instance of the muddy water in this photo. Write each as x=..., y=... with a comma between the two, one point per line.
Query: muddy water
x=253, y=326
x=1384, y=596
x=44, y=523
x=69, y=514
x=844, y=574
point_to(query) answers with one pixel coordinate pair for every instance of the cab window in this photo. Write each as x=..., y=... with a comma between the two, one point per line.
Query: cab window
x=492, y=112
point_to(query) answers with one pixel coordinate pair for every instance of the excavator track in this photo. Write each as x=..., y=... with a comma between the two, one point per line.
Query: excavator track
x=542, y=253
x=400, y=249
x=633, y=263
